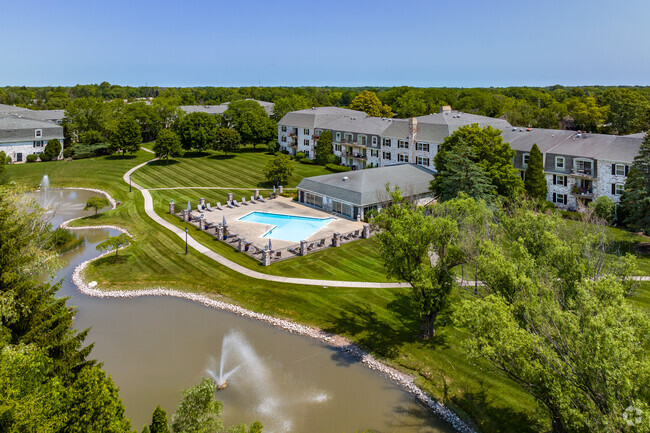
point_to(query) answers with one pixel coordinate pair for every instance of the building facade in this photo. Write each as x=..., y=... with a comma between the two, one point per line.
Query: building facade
x=579, y=167
x=20, y=136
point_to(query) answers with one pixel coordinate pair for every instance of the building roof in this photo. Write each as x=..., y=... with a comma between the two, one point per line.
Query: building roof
x=49, y=115
x=219, y=109
x=357, y=124
x=4, y=108
x=15, y=128
x=315, y=117
x=368, y=187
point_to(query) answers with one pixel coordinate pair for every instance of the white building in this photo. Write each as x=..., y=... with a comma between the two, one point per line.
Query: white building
x=20, y=136
x=579, y=167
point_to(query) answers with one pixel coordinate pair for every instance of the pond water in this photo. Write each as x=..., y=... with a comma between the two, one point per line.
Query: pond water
x=154, y=347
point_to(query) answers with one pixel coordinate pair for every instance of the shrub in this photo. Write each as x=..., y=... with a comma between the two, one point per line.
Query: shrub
x=307, y=161
x=272, y=147
x=604, y=208
x=82, y=151
x=32, y=157
x=52, y=150
x=571, y=215
x=337, y=168
x=91, y=137
x=68, y=152
x=300, y=155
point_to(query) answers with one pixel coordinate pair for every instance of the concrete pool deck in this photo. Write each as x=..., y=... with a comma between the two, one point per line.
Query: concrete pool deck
x=254, y=232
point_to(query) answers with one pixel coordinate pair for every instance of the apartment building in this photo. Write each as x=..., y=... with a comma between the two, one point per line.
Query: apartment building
x=579, y=167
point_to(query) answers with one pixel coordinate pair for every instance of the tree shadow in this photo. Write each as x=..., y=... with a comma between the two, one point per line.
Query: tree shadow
x=120, y=157
x=110, y=259
x=260, y=148
x=492, y=415
x=163, y=163
x=195, y=154
x=222, y=157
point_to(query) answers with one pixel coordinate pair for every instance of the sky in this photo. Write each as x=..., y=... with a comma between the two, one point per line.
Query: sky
x=434, y=43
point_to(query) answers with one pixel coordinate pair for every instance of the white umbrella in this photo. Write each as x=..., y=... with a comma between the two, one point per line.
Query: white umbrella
x=273, y=189
x=224, y=221
x=270, y=247
x=189, y=206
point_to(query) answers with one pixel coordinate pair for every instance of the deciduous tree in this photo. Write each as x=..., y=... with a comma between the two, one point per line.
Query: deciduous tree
x=250, y=120
x=113, y=243
x=96, y=203
x=126, y=136
x=278, y=169
x=199, y=411
x=369, y=103
x=197, y=131
x=227, y=140
x=167, y=144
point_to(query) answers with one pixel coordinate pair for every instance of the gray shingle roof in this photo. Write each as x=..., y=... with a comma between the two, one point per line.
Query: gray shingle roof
x=219, y=109
x=367, y=187
x=49, y=115
x=15, y=129
x=317, y=116
x=362, y=125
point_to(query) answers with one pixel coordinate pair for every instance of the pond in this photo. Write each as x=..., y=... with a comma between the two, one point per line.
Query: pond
x=154, y=347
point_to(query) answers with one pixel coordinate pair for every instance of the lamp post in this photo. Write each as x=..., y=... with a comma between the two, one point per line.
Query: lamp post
x=129, y=183
x=186, y=230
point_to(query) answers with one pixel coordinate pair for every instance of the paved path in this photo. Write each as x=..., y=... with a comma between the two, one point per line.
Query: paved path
x=148, y=208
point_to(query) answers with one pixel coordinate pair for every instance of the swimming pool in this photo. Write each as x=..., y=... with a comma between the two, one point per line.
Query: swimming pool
x=287, y=227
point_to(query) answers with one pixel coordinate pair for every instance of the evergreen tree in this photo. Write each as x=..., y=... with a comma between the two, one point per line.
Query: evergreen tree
x=460, y=174
x=324, y=153
x=636, y=198
x=535, y=182
x=159, y=421
x=52, y=150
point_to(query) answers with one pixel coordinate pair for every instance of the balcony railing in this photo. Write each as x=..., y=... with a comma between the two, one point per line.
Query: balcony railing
x=586, y=172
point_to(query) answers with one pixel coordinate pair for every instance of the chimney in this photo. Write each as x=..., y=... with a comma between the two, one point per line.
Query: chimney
x=413, y=129
x=445, y=108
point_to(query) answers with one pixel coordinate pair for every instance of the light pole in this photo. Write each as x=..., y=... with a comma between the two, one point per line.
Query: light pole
x=129, y=183
x=186, y=230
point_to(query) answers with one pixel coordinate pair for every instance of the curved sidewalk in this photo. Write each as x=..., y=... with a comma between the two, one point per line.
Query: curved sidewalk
x=149, y=209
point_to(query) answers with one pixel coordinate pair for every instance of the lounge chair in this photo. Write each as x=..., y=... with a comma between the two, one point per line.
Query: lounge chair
x=295, y=250
x=243, y=201
x=260, y=198
x=219, y=205
x=253, y=200
x=234, y=202
x=208, y=207
x=356, y=234
x=310, y=246
x=278, y=254
x=321, y=243
x=199, y=208
x=229, y=204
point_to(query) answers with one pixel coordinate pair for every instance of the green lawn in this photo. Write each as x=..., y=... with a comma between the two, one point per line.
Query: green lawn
x=382, y=320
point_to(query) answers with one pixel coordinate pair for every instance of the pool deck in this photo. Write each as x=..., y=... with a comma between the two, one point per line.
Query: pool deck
x=253, y=232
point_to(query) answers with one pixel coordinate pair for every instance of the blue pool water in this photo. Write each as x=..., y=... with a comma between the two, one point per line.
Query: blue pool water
x=287, y=227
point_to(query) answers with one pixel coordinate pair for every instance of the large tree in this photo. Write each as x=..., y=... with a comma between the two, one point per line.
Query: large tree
x=460, y=174
x=635, y=200
x=369, y=103
x=278, y=169
x=126, y=136
x=197, y=131
x=290, y=103
x=227, y=140
x=552, y=316
x=167, y=144
x=490, y=152
x=198, y=411
x=324, y=153
x=629, y=111
x=535, y=180
x=250, y=120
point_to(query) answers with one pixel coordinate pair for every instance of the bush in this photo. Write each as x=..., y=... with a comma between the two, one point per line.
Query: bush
x=82, y=151
x=603, y=208
x=299, y=155
x=337, y=168
x=571, y=215
x=68, y=152
x=91, y=137
x=32, y=157
x=307, y=161
x=272, y=147
x=52, y=150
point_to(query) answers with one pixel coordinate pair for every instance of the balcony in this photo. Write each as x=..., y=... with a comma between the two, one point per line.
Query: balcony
x=581, y=191
x=584, y=172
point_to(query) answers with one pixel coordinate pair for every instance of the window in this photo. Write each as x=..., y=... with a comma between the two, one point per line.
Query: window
x=525, y=160
x=313, y=199
x=306, y=142
x=559, y=163
x=619, y=169
x=422, y=146
x=284, y=138
x=284, y=128
x=387, y=156
x=374, y=153
x=403, y=144
x=338, y=137
x=374, y=140
x=423, y=161
x=402, y=157
x=337, y=147
x=583, y=167
x=387, y=142
x=347, y=137
x=38, y=133
x=318, y=132
x=306, y=131
x=618, y=188
x=559, y=180
x=38, y=143
x=559, y=198
x=362, y=139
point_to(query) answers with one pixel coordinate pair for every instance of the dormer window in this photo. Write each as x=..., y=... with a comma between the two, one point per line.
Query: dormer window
x=38, y=133
x=525, y=160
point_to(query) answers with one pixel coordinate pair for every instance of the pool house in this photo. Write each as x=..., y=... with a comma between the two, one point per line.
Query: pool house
x=354, y=193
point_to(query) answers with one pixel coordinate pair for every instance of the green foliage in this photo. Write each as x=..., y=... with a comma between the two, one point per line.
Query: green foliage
x=635, y=201
x=278, y=169
x=604, y=208
x=629, y=111
x=306, y=161
x=227, y=140
x=324, y=152
x=197, y=131
x=167, y=144
x=82, y=151
x=290, y=103
x=96, y=203
x=52, y=150
x=300, y=155
x=461, y=175
x=126, y=136
x=250, y=120
x=159, y=421
x=198, y=411
x=272, y=147
x=337, y=168
x=91, y=137
x=32, y=157
x=535, y=182
x=113, y=243
x=369, y=103
x=490, y=152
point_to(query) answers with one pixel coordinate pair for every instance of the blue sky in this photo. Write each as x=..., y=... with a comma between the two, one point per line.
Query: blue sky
x=459, y=43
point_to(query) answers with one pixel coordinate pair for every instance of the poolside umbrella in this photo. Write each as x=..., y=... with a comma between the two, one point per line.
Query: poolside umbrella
x=270, y=247
x=189, y=206
x=224, y=221
x=273, y=189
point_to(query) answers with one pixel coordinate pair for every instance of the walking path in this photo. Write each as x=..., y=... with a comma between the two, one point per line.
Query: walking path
x=149, y=209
